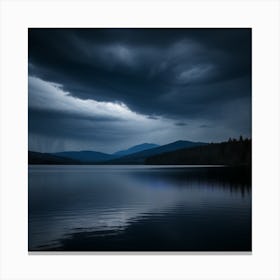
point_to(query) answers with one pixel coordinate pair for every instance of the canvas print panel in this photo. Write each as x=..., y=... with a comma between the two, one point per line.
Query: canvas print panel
x=139, y=139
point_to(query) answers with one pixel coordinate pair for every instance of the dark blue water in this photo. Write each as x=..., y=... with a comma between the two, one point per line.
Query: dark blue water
x=139, y=208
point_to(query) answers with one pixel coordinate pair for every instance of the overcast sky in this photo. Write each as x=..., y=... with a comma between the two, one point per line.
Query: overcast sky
x=109, y=89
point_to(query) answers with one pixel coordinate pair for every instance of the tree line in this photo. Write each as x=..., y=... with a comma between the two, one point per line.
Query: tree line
x=234, y=152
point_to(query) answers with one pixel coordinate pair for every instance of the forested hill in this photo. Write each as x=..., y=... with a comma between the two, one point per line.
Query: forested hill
x=45, y=158
x=231, y=153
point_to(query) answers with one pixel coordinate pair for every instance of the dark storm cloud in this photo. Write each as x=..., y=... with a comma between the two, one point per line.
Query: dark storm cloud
x=107, y=89
x=181, y=124
x=205, y=126
x=151, y=117
x=146, y=68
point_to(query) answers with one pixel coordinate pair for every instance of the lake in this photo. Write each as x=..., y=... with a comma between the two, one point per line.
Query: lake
x=138, y=208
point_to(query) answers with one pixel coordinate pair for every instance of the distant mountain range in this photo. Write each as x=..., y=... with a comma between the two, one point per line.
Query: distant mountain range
x=136, y=149
x=231, y=153
x=134, y=155
x=140, y=157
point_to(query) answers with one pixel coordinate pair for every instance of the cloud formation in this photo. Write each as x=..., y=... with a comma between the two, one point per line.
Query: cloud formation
x=107, y=88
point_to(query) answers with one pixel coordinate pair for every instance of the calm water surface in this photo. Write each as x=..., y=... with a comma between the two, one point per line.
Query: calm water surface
x=139, y=208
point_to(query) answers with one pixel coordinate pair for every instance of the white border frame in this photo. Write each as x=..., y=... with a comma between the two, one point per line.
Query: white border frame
x=17, y=16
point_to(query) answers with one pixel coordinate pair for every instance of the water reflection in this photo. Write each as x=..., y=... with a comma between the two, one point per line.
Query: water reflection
x=124, y=208
x=234, y=179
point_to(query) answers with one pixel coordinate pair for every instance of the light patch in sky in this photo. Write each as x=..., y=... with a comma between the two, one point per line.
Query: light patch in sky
x=50, y=96
x=194, y=73
x=120, y=53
